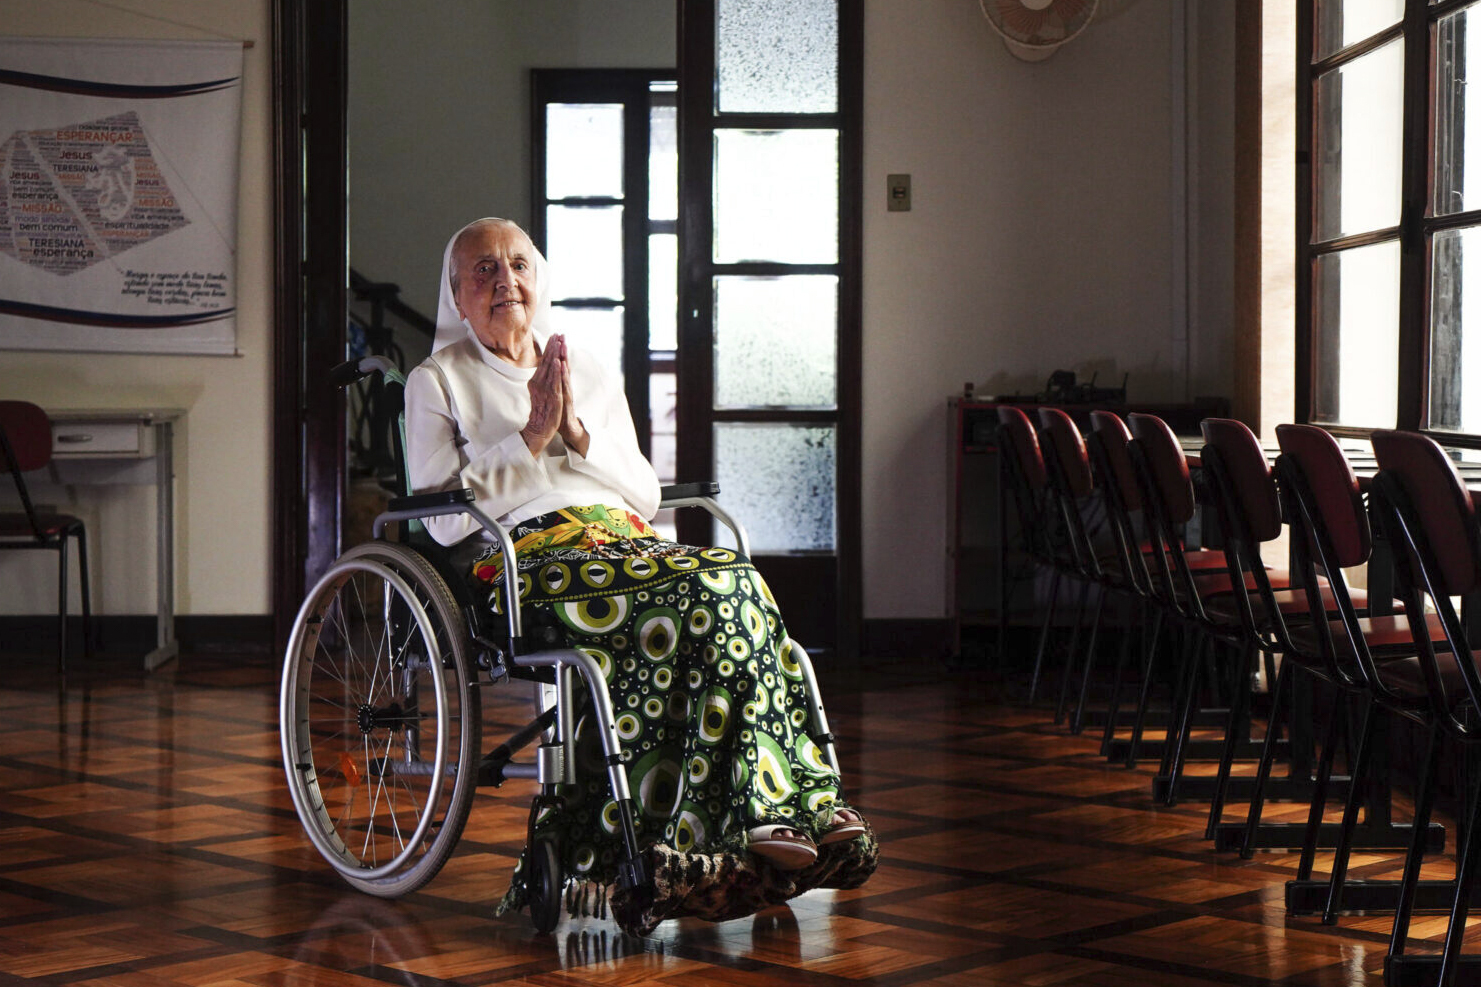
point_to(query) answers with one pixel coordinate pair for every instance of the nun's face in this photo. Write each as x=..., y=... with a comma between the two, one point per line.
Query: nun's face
x=496, y=283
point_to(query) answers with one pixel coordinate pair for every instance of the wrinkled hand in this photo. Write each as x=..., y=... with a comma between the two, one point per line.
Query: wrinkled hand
x=547, y=399
x=573, y=432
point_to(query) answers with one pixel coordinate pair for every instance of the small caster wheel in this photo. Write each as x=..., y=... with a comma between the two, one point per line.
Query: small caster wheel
x=544, y=885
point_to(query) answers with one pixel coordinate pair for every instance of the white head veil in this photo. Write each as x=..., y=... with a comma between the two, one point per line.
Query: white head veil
x=452, y=327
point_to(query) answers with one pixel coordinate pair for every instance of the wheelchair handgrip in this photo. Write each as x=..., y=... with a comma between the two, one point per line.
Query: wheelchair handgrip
x=442, y=498
x=681, y=491
x=352, y=370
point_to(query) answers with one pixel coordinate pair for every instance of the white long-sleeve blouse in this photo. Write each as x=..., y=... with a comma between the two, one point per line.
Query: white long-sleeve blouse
x=464, y=410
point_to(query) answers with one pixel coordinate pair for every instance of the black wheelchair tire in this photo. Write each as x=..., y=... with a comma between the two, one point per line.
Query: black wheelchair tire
x=441, y=814
x=544, y=885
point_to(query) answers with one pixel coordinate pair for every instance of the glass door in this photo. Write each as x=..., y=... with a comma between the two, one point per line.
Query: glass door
x=768, y=355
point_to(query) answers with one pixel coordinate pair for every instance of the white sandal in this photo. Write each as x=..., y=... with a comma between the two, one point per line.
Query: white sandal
x=846, y=824
x=785, y=847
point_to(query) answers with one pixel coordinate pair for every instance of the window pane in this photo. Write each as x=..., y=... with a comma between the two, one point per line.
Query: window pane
x=1359, y=123
x=598, y=331
x=1455, y=331
x=776, y=196
x=583, y=150
x=1355, y=345
x=663, y=291
x=663, y=163
x=777, y=56
x=585, y=251
x=784, y=476
x=663, y=414
x=1457, y=130
x=1340, y=23
x=776, y=342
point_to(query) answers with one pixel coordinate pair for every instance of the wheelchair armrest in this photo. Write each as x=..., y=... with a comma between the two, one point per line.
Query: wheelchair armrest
x=684, y=491
x=441, y=502
x=702, y=495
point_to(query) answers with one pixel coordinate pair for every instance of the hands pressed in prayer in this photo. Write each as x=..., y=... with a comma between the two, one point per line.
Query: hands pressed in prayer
x=553, y=402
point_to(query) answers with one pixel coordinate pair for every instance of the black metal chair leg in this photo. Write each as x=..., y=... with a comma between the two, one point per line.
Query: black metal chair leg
x=1423, y=805
x=1464, y=878
x=1077, y=721
x=1239, y=703
x=1149, y=666
x=1178, y=745
x=1318, y=809
x=1113, y=708
x=1033, y=686
x=1073, y=650
x=1267, y=757
x=62, y=606
x=1355, y=788
x=88, y=642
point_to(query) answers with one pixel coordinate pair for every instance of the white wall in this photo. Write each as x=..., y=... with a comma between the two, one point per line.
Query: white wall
x=222, y=447
x=1042, y=237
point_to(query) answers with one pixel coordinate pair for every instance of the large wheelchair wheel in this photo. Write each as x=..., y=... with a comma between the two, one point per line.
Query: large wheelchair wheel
x=380, y=719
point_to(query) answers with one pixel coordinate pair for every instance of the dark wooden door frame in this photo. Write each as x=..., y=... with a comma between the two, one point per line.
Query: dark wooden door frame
x=310, y=256
x=697, y=122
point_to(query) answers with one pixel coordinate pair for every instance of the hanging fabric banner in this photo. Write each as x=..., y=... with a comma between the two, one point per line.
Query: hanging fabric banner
x=118, y=194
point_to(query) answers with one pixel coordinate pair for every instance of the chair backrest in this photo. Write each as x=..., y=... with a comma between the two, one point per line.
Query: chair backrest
x=1441, y=504
x=25, y=445
x=27, y=433
x=1244, y=491
x=1426, y=511
x=1336, y=500
x=1018, y=433
x=1114, y=440
x=1167, y=505
x=1167, y=465
x=1067, y=448
x=1329, y=533
x=1253, y=497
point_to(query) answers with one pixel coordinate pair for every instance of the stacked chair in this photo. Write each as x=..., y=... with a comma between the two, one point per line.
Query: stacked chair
x=1358, y=664
x=1429, y=516
x=1025, y=476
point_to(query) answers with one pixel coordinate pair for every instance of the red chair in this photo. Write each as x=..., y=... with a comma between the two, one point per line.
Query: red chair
x=1429, y=515
x=1364, y=658
x=1110, y=449
x=1023, y=472
x=25, y=445
x=1096, y=564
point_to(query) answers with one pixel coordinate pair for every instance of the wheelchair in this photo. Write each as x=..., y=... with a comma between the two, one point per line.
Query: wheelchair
x=387, y=667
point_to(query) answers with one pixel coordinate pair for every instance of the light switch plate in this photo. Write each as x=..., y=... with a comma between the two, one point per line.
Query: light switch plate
x=899, y=193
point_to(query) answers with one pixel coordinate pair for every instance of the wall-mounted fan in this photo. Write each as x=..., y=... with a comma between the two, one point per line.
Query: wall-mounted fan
x=1034, y=29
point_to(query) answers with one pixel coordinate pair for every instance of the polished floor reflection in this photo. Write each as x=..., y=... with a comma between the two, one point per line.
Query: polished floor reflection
x=147, y=838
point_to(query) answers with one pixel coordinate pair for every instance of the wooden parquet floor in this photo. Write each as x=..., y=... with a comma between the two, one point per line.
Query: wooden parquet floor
x=147, y=839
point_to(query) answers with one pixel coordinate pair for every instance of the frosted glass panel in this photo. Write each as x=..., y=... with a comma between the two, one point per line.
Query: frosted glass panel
x=598, y=331
x=585, y=251
x=776, y=196
x=583, y=150
x=776, y=342
x=663, y=291
x=777, y=56
x=1355, y=346
x=663, y=162
x=784, y=476
x=1359, y=124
